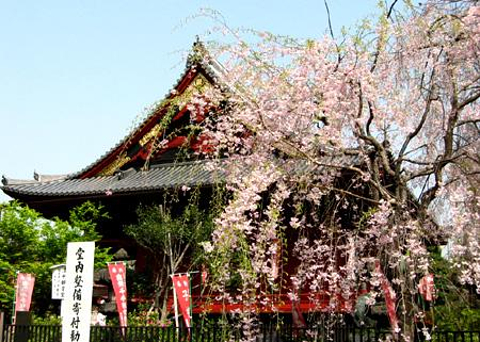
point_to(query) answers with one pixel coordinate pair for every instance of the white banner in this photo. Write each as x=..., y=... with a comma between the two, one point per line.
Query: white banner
x=77, y=303
x=58, y=281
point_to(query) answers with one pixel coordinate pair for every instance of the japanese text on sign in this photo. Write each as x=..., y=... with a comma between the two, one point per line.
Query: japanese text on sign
x=118, y=277
x=77, y=300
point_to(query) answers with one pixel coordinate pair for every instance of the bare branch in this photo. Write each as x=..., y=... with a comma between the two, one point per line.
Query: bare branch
x=370, y=117
x=329, y=19
x=390, y=10
x=466, y=122
x=411, y=161
x=469, y=100
x=381, y=151
x=339, y=56
x=352, y=194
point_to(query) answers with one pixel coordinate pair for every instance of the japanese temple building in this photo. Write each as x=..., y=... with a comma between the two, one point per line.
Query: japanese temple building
x=136, y=170
x=130, y=173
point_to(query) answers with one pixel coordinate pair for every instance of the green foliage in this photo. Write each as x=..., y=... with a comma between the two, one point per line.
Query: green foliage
x=50, y=319
x=456, y=307
x=140, y=283
x=144, y=317
x=457, y=316
x=158, y=230
x=172, y=233
x=30, y=243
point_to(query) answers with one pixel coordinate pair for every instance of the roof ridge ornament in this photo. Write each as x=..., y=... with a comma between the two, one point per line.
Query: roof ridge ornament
x=47, y=178
x=197, y=54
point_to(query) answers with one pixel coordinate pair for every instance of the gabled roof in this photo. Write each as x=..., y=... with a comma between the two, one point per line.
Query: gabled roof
x=201, y=70
x=100, y=177
x=118, y=171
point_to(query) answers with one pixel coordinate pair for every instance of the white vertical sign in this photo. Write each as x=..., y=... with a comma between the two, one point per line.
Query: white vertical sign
x=77, y=302
x=58, y=281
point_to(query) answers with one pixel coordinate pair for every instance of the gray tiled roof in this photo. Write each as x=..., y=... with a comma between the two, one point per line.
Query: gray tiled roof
x=158, y=177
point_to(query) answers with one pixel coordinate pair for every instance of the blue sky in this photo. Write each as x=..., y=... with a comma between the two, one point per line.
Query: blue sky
x=75, y=74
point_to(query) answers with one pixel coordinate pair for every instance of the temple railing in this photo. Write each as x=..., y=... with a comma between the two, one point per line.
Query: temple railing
x=215, y=333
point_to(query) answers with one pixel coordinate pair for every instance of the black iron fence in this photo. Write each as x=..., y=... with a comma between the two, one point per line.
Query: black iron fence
x=268, y=333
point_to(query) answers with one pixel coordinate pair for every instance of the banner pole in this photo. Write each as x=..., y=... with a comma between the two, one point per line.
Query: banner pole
x=191, y=301
x=175, y=307
x=15, y=296
x=2, y=323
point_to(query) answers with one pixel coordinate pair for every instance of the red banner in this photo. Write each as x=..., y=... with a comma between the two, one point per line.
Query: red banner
x=181, y=286
x=390, y=298
x=426, y=287
x=297, y=316
x=23, y=295
x=204, y=276
x=118, y=277
x=276, y=258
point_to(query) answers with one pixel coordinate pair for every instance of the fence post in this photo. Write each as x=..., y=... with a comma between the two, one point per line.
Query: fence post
x=22, y=326
x=2, y=316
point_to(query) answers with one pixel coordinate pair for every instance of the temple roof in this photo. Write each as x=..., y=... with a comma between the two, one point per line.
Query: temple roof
x=163, y=176
x=176, y=175
x=199, y=63
x=126, y=168
x=116, y=171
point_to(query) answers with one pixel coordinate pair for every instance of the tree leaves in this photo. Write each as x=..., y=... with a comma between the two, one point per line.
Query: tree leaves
x=32, y=244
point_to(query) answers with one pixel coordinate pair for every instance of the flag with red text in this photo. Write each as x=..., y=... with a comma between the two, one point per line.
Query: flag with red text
x=181, y=286
x=426, y=287
x=390, y=297
x=118, y=276
x=297, y=316
x=24, y=290
x=204, y=277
